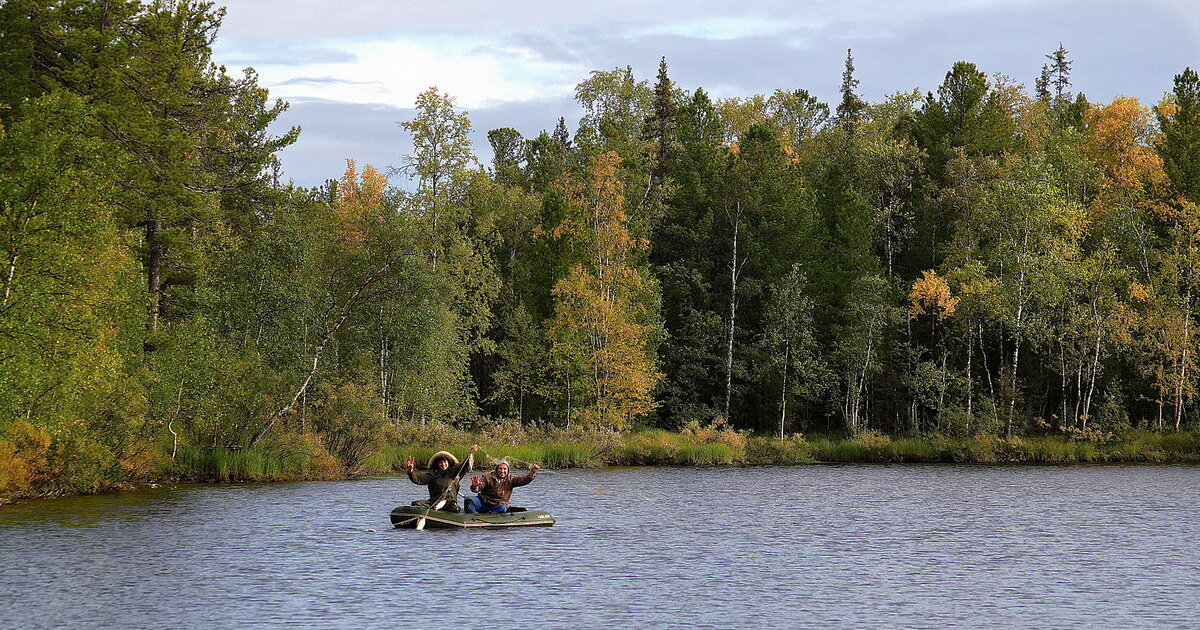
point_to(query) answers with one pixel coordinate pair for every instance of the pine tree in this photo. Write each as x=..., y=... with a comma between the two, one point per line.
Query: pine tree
x=508, y=154
x=560, y=135
x=1057, y=73
x=660, y=125
x=852, y=108
x=682, y=253
x=1179, y=145
x=1042, y=84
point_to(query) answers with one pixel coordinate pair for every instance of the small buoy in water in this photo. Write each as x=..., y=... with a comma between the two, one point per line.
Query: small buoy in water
x=368, y=530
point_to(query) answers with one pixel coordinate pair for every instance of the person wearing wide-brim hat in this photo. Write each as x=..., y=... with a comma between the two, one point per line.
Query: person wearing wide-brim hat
x=441, y=475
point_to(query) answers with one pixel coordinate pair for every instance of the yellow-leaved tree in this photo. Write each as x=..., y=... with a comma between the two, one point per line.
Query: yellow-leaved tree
x=359, y=204
x=603, y=328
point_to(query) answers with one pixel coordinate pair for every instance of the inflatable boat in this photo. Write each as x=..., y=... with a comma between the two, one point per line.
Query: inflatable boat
x=406, y=516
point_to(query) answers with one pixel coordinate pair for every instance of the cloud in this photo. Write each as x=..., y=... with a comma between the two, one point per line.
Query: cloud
x=393, y=72
x=730, y=27
x=239, y=54
x=324, y=81
x=1117, y=48
x=388, y=53
x=333, y=131
x=321, y=19
x=353, y=69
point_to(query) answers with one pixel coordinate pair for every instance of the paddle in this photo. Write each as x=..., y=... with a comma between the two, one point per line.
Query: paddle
x=443, y=499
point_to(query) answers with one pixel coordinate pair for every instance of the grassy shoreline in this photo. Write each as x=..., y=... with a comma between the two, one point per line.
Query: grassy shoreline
x=716, y=448
x=304, y=459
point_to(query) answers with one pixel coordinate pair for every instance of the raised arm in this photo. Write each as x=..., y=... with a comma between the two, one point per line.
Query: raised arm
x=521, y=480
x=478, y=483
x=419, y=478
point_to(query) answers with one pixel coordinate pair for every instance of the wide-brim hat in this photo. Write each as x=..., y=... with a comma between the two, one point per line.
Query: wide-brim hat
x=442, y=454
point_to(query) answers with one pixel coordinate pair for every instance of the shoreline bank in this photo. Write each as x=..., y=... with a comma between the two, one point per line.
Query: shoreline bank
x=725, y=448
x=705, y=447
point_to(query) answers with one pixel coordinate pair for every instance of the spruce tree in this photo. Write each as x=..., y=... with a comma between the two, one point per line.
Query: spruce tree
x=1179, y=146
x=660, y=124
x=852, y=108
x=1058, y=73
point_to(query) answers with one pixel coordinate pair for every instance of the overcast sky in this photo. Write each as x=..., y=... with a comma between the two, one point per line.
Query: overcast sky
x=351, y=70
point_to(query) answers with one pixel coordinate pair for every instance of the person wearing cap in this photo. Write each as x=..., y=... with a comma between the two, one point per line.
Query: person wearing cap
x=495, y=489
x=442, y=475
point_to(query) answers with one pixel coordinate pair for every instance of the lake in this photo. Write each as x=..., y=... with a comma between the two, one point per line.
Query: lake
x=824, y=546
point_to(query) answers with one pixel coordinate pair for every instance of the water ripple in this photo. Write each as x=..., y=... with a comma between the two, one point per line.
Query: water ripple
x=827, y=546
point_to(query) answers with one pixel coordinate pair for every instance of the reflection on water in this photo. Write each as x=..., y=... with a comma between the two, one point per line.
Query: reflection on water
x=828, y=546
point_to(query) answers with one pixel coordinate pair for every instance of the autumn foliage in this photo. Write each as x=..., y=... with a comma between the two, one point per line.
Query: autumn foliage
x=931, y=296
x=601, y=324
x=359, y=204
x=974, y=259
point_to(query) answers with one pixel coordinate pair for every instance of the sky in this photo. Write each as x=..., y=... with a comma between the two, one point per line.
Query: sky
x=351, y=71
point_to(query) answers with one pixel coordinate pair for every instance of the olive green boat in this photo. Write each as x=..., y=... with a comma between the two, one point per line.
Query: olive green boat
x=407, y=516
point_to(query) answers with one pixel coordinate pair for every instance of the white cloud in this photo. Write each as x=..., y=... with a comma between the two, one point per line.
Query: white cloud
x=474, y=50
x=720, y=28
x=393, y=72
x=260, y=19
x=515, y=64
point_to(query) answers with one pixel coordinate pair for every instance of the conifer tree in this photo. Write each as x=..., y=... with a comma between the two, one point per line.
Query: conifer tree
x=850, y=110
x=1179, y=145
x=682, y=252
x=660, y=124
x=1057, y=73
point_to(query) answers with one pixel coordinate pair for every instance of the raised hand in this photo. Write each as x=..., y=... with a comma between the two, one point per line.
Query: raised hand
x=475, y=481
x=474, y=447
x=534, y=468
x=410, y=464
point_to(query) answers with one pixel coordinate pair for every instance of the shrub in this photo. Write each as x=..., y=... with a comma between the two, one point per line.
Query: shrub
x=349, y=417
x=772, y=450
x=24, y=459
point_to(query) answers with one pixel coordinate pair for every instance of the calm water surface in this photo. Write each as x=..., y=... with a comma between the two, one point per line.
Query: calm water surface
x=823, y=546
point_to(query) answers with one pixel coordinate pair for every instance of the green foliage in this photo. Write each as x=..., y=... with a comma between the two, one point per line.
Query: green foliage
x=440, y=140
x=850, y=110
x=1179, y=145
x=350, y=419
x=285, y=457
x=615, y=106
x=727, y=270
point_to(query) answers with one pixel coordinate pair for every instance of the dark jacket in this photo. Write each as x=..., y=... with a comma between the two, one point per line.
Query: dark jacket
x=440, y=481
x=497, y=491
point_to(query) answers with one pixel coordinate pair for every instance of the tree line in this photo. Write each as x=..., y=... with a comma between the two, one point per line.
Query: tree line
x=980, y=258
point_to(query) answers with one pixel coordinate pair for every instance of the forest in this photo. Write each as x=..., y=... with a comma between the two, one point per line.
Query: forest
x=979, y=259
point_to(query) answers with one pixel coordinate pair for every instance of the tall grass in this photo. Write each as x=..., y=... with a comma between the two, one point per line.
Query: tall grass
x=1130, y=447
x=255, y=464
x=651, y=447
x=690, y=447
x=549, y=454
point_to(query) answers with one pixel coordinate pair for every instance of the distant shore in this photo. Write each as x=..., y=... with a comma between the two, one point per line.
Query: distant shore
x=707, y=447
x=557, y=449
